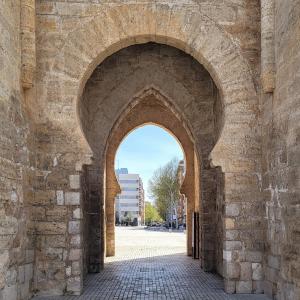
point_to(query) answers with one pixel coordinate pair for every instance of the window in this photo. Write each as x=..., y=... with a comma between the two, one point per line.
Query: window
x=128, y=205
x=128, y=181
x=133, y=197
x=128, y=188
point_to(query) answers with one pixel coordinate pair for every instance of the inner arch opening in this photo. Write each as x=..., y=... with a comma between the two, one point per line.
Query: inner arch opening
x=146, y=148
x=150, y=107
x=148, y=154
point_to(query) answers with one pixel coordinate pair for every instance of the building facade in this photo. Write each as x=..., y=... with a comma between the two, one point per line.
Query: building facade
x=129, y=204
x=222, y=76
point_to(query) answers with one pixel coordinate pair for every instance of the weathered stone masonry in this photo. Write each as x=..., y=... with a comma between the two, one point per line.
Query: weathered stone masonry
x=281, y=153
x=244, y=63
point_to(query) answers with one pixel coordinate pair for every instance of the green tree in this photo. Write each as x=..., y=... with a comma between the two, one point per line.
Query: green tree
x=151, y=213
x=128, y=217
x=164, y=189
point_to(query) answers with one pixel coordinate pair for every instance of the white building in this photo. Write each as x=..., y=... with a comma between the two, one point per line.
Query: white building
x=130, y=203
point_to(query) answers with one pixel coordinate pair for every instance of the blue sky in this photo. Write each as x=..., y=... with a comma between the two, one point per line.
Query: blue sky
x=146, y=149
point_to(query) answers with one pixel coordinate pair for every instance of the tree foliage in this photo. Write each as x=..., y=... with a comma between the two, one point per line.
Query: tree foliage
x=151, y=213
x=129, y=217
x=164, y=189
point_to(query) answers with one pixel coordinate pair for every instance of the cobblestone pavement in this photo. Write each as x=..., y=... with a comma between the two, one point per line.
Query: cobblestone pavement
x=152, y=265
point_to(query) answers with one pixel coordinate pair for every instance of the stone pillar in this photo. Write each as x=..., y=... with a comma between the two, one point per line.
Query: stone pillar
x=267, y=46
x=243, y=234
x=208, y=219
x=74, y=262
x=28, y=48
x=189, y=190
x=93, y=235
x=189, y=225
x=112, y=189
x=110, y=229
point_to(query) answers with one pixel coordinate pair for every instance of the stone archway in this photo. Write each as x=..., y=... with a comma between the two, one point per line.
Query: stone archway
x=190, y=31
x=189, y=88
x=150, y=107
x=237, y=150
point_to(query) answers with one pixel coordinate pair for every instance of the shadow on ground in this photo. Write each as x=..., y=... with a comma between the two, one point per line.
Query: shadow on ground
x=173, y=276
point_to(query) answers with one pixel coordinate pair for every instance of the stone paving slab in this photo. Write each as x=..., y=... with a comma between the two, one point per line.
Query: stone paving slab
x=152, y=266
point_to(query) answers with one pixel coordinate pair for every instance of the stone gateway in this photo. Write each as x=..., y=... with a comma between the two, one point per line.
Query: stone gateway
x=221, y=75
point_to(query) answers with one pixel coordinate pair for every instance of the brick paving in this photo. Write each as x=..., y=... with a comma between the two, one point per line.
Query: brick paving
x=152, y=265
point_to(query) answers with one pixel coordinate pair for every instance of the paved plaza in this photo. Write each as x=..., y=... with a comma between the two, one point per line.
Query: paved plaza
x=152, y=265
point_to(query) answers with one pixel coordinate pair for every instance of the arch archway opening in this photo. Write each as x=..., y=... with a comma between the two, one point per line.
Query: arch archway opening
x=163, y=86
x=151, y=154
x=150, y=107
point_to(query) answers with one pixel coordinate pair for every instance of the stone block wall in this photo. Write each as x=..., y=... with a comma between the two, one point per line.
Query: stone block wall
x=57, y=214
x=281, y=153
x=16, y=159
x=57, y=222
x=219, y=221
